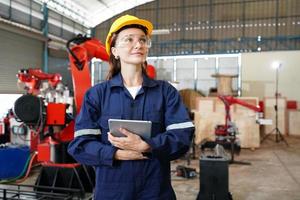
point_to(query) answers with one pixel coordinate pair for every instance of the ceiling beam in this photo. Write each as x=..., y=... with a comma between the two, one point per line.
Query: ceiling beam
x=103, y=3
x=22, y=30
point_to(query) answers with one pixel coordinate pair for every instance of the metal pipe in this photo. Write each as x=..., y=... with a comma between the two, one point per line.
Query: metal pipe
x=45, y=33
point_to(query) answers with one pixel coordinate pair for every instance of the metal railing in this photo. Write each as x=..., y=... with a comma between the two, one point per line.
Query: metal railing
x=31, y=192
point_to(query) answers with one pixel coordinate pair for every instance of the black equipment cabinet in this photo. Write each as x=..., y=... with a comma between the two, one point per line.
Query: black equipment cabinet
x=214, y=180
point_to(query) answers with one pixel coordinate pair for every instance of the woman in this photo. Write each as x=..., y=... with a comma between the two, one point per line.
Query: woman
x=131, y=167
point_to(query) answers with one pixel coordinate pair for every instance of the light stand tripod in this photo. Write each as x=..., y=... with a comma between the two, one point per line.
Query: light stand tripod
x=278, y=135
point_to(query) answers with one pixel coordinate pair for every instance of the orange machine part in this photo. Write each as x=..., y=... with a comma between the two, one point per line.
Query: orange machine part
x=81, y=78
x=56, y=113
x=44, y=152
x=81, y=75
x=2, y=128
x=151, y=72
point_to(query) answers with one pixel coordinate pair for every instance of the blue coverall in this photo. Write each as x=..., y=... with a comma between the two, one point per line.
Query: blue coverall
x=171, y=135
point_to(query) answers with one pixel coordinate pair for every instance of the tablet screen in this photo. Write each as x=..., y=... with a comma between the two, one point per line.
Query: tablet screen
x=139, y=127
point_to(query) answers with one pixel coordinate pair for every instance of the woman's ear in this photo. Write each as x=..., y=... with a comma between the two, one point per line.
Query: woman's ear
x=114, y=52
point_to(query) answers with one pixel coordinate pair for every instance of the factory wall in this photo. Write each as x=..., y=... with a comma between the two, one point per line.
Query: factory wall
x=259, y=78
x=17, y=52
x=22, y=52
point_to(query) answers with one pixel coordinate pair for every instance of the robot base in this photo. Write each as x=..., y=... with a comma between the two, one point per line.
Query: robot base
x=63, y=178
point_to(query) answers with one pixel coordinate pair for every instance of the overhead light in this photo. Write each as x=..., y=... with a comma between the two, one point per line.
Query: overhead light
x=259, y=38
x=160, y=32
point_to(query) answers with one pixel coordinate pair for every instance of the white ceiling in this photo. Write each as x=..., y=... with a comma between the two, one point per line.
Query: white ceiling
x=90, y=13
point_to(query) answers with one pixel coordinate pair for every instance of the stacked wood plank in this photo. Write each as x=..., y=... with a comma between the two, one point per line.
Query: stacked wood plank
x=294, y=122
x=189, y=98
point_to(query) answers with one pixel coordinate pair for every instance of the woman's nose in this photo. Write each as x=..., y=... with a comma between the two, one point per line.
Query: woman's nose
x=137, y=44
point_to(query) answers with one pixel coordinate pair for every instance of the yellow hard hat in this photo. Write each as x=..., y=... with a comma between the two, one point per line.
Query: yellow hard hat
x=124, y=21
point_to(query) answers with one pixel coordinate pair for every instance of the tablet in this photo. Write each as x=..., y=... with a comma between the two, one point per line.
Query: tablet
x=139, y=127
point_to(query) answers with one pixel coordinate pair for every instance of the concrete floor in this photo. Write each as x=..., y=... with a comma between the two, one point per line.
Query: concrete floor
x=274, y=173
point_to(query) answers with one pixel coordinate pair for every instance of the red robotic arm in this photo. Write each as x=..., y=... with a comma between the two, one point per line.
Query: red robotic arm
x=80, y=56
x=230, y=100
x=32, y=79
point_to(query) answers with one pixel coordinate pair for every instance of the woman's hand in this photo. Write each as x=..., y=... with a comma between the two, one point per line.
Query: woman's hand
x=131, y=142
x=129, y=155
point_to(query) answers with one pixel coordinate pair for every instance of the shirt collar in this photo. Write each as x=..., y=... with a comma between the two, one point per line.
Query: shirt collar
x=148, y=82
x=117, y=81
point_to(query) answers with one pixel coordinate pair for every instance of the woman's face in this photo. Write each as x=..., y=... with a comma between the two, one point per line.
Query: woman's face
x=131, y=46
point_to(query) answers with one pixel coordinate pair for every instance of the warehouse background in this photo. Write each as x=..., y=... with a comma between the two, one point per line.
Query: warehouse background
x=254, y=32
x=193, y=42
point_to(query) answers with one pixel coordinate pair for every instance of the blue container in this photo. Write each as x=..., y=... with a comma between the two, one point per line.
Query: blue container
x=13, y=161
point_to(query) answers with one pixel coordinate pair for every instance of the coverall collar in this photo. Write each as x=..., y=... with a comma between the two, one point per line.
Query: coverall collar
x=117, y=81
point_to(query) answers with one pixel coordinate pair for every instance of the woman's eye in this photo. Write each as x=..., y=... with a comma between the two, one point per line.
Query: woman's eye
x=143, y=40
x=129, y=39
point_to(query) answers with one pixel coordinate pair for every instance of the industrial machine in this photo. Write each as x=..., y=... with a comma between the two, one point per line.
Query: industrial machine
x=43, y=114
x=186, y=172
x=225, y=134
x=4, y=130
x=47, y=107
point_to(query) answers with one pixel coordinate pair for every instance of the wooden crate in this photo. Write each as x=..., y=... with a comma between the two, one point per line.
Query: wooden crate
x=269, y=113
x=189, y=97
x=294, y=122
x=211, y=112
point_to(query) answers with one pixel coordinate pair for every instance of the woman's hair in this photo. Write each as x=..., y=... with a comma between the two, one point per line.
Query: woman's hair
x=115, y=64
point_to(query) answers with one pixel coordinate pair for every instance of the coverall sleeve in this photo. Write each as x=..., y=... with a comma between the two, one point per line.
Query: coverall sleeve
x=86, y=147
x=175, y=142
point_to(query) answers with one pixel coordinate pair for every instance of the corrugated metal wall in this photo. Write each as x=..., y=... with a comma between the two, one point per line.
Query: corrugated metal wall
x=219, y=26
x=31, y=15
x=17, y=52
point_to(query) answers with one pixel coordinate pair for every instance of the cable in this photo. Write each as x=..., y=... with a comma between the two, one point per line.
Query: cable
x=28, y=168
x=20, y=175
